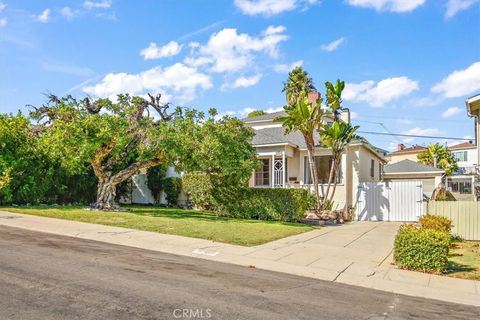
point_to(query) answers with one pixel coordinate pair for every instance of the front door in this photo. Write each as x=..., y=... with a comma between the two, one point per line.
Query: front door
x=278, y=172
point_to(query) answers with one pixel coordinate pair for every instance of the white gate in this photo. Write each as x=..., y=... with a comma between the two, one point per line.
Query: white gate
x=391, y=201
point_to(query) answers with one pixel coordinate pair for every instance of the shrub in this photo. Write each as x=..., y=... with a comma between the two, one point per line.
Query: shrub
x=264, y=203
x=438, y=223
x=199, y=188
x=155, y=176
x=172, y=188
x=421, y=249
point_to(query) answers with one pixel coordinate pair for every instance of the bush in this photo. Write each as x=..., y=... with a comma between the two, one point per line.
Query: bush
x=421, y=249
x=231, y=199
x=199, y=188
x=155, y=176
x=438, y=223
x=172, y=188
x=264, y=203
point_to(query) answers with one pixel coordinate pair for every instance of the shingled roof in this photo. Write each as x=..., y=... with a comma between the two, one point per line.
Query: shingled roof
x=463, y=145
x=412, y=149
x=409, y=166
x=276, y=135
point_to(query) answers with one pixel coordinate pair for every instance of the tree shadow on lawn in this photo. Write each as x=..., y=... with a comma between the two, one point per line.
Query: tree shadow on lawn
x=455, y=267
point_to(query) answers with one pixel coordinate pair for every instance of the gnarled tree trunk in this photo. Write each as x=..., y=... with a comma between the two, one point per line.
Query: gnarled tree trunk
x=106, y=193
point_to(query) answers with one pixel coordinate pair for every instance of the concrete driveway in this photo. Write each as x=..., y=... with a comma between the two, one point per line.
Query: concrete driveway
x=358, y=247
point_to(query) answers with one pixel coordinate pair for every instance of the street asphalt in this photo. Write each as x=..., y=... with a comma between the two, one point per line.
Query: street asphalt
x=45, y=276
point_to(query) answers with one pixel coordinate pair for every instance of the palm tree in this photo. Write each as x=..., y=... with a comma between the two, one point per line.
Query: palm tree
x=305, y=117
x=298, y=85
x=336, y=137
x=444, y=158
x=334, y=97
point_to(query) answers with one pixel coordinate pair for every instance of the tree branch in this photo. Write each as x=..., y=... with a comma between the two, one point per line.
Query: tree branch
x=161, y=108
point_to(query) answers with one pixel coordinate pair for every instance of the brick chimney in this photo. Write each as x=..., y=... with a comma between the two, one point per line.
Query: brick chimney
x=400, y=147
x=313, y=96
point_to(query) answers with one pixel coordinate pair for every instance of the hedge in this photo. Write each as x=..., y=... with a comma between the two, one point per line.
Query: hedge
x=199, y=188
x=438, y=223
x=207, y=192
x=421, y=249
x=264, y=203
x=172, y=188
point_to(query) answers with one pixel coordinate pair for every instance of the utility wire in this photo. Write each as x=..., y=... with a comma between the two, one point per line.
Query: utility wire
x=412, y=135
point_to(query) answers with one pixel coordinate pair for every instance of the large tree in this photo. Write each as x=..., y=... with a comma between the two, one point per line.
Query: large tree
x=334, y=98
x=297, y=86
x=118, y=139
x=305, y=117
x=444, y=158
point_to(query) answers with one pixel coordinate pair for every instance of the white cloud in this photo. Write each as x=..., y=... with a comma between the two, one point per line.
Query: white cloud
x=179, y=80
x=2, y=6
x=353, y=115
x=44, y=16
x=270, y=7
x=104, y=4
x=228, y=51
x=388, y=5
x=460, y=82
x=69, y=13
x=271, y=110
x=380, y=93
x=244, y=82
x=455, y=6
x=154, y=52
x=332, y=46
x=421, y=132
x=245, y=111
x=450, y=112
x=285, y=68
x=3, y=22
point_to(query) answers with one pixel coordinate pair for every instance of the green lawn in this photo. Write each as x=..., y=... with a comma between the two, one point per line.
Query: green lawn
x=189, y=223
x=464, y=260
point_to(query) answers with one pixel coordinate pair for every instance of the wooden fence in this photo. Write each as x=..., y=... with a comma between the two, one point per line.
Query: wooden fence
x=465, y=216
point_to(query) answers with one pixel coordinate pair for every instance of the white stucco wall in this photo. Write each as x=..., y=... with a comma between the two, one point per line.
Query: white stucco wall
x=141, y=194
x=472, y=157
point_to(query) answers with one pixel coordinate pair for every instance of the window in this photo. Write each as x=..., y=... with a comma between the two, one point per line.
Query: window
x=372, y=168
x=462, y=187
x=323, y=164
x=380, y=170
x=461, y=155
x=262, y=175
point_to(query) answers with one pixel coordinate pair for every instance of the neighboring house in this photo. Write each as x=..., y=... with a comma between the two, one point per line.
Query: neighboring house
x=284, y=161
x=404, y=153
x=473, y=110
x=462, y=183
x=409, y=170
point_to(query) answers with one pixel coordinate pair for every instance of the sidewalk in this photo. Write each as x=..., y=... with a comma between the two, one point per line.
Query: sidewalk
x=356, y=253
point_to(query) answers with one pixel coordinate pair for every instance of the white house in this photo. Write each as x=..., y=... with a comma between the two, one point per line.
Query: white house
x=462, y=183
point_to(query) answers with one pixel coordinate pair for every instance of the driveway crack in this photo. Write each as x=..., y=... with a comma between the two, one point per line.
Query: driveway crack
x=360, y=236
x=341, y=272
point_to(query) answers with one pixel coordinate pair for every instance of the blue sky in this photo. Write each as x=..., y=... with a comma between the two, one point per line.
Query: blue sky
x=409, y=64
